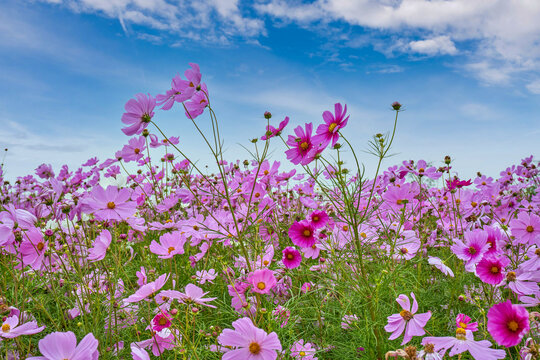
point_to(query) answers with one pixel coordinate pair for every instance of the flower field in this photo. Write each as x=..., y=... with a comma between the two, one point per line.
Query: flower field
x=158, y=257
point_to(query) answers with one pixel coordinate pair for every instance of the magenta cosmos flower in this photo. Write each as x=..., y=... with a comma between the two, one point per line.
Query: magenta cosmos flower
x=302, y=148
x=491, y=269
x=109, y=204
x=100, y=246
x=407, y=320
x=32, y=249
x=11, y=328
x=526, y=228
x=262, y=281
x=328, y=132
x=139, y=112
x=63, y=346
x=272, y=131
x=302, y=233
x=291, y=257
x=319, y=219
x=249, y=342
x=464, y=322
x=507, y=323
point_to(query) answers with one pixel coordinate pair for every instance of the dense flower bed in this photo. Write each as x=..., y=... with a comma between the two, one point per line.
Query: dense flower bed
x=141, y=257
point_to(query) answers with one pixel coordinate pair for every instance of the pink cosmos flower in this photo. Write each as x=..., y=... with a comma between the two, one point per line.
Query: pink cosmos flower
x=45, y=171
x=148, y=290
x=508, y=323
x=192, y=294
x=491, y=269
x=429, y=172
x=407, y=320
x=161, y=321
x=319, y=219
x=463, y=321
x=203, y=276
x=134, y=150
x=457, y=184
x=464, y=341
x=63, y=346
x=439, y=264
x=473, y=249
x=32, y=249
x=138, y=114
x=302, y=233
x=406, y=246
x=329, y=131
x=262, y=281
x=11, y=328
x=100, y=246
x=272, y=131
x=198, y=102
x=180, y=91
x=139, y=353
x=109, y=204
x=302, y=148
x=249, y=342
x=302, y=351
x=170, y=244
x=526, y=228
x=291, y=257
x=398, y=197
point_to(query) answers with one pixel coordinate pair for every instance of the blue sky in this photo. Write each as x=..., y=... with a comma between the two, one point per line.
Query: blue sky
x=467, y=72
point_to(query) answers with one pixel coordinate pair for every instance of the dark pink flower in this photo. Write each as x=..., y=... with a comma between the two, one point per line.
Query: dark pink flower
x=463, y=321
x=302, y=148
x=491, y=269
x=319, y=219
x=249, y=342
x=302, y=233
x=139, y=113
x=329, y=131
x=291, y=257
x=161, y=321
x=508, y=323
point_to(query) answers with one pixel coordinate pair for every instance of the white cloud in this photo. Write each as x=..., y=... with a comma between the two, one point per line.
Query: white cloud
x=219, y=19
x=534, y=86
x=503, y=33
x=442, y=45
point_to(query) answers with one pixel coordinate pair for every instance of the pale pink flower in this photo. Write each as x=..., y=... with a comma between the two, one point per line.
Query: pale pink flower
x=407, y=320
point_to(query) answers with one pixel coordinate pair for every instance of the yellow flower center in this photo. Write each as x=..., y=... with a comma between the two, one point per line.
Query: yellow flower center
x=315, y=218
x=512, y=326
x=511, y=276
x=404, y=250
x=5, y=328
x=363, y=234
x=40, y=246
x=332, y=127
x=460, y=334
x=162, y=321
x=472, y=250
x=170, y=249
x=254, y=348
x=406, y=315
x=530, y=228
x=111, y=205
x=261, y=286
x=307, y=233
x=290, y=256
x=304, y=146
x=399, y=201
x=495, y=270
x=137, y=150
x=463, y=325
x=303, y=353
x=473, y=204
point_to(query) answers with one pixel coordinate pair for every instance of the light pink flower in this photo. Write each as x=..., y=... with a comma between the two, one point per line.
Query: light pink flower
x=192, y=294
x=407, y=320
x=249, y=342
x=101, y=244
x=464, y=341
x=170, y=244
x=11, y=328
x=262, y=281
x=148, y=290
x=63, y=346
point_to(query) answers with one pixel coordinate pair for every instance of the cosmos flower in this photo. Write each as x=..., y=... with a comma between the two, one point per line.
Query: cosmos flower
x=148, y=290
x=302, y=233
x=491, y=269
x=463, y=321
x=472, y=249
x=109, y=204
x=170, y=244
x=303, y=351
x=100, y=246
x=464, y=341
x=526, y=229
x=192, y=294
x=63, y=346
x=508, y=323
x=139, y=113
x=302, y=147
x=407, y=320
x=291, y=257
x=11, y=328
x=329, y=131
x=262, y=281
x=249, y=342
